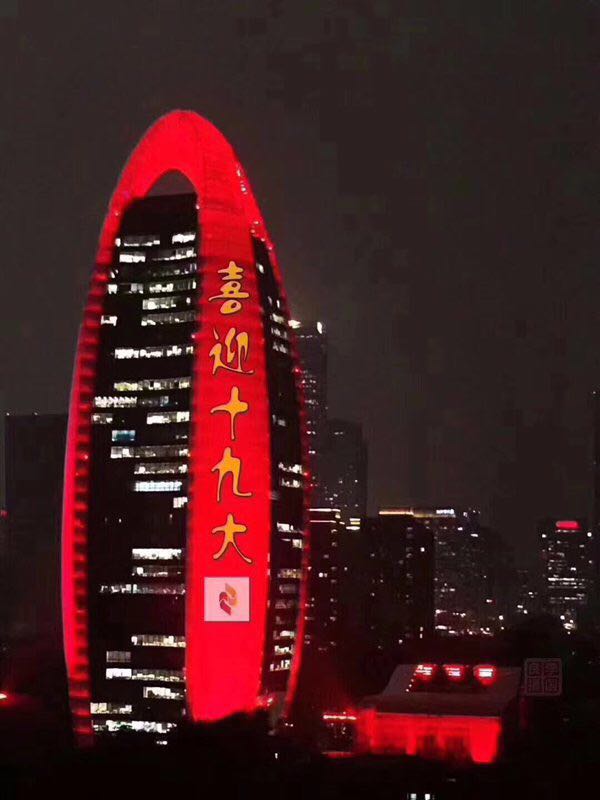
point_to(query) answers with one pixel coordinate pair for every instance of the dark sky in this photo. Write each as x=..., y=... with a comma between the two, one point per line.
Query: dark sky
x=428, y=172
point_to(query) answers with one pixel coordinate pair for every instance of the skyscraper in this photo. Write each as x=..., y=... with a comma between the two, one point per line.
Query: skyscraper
x=184, y=488
x=399, y=579
x=345, y=469
x=460, y=576
x=322, y=604
x=565, y=546
x=311, y=341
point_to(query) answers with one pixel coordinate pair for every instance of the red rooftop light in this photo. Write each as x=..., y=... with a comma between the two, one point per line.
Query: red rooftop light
x=568, y=525
x=455, y=672
x=486, y=674
x=425, y=672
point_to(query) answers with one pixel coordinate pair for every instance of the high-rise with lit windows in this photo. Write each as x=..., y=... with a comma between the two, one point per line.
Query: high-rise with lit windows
x=311, y=339
x=184, y=510
x=565, y=546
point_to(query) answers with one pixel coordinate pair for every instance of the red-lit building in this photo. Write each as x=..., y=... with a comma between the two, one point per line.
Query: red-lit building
x=452, y=712
x=184, y=504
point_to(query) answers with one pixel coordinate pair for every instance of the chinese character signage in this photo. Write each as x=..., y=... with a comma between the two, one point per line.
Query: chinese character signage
x=542, y=677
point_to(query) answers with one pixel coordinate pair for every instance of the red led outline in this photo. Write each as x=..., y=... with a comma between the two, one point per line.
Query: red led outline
x=224, y=662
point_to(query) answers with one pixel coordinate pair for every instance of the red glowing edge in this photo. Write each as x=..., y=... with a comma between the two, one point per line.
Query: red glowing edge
x=455, y=672
x=568, y=525
x=223, y=661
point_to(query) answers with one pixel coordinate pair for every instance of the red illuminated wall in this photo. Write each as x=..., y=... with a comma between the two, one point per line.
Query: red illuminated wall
x=446, y=737
x=223, y=660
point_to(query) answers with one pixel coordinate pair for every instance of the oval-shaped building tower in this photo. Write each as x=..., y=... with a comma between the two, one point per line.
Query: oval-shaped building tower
x=184, y=500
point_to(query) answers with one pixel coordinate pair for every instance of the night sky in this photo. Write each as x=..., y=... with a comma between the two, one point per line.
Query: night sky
x=428, y=172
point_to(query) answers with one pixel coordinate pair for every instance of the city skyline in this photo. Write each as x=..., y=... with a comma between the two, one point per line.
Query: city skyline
x=423, y=222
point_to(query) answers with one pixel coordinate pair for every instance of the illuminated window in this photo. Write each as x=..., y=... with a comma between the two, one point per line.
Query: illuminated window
x=289, y=573
x=166, y=287
x=110, y=708
x=156, y=553
x=163, y=693
x=115, y=402
x=157, y=640
x=141, y=588
x=116, y=725
x=182, y=238
x=141, y=240
x=113, y=673
x=162, y=467
x=163, y=303
x=102, y=419
x=157, y=571
x=152, y=384
x=118, y=656
x=134, y=257
x=179, y=502
x=157, y=486
x=167, y=417
x=174, y=318
x=123, y=436
x=157, y=351
x=108, y=319
x=151, y=451
x=175, y=254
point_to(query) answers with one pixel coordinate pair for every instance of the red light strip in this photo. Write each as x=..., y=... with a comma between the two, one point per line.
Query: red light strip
x=223, y=660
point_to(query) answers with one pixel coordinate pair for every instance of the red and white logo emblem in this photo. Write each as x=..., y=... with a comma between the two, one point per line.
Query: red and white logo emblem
x=227, y=599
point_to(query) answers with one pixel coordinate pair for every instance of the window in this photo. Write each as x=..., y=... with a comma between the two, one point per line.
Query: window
x=157, y=640
x=123, y=436
x=157, y=486
x=179, y=502
x=289, y=573
x=166, y=287
x=157, y=571
x=110, y=708
x=152, y=384
x=167, y=417
x=142, y=588
x=164, y=467
x=163, y=693
x=182, y=238
x=175, y=254
x=151, y=451
x=172, y=301
x=174, y=318
x=118, y=656
x=108, y=319
x=156, y=553
x=116, y=725
x=102, y=419
x=118, y=672
x=115, y=402
x=133, y=257
x=158, y=351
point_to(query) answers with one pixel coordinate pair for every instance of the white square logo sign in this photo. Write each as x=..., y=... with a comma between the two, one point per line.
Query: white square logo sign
x=227, y=599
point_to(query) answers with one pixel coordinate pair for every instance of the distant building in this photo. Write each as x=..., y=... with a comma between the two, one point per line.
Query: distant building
x=527, y=594
x=565, y=546
x=397, y=572
x=34, y=454
x=345, y=469
x=463, y=605
x=311, y=341
x=321, y=634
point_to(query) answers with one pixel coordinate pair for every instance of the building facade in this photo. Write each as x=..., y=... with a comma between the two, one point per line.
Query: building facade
x=345, y=469
x=311, y=341
x=399, y=580
x=184, y=504
x=567, y=568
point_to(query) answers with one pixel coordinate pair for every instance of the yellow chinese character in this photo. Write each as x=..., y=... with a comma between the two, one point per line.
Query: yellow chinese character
x=229, y=465
x=232, y=272
x=233, y=407
x=236, y=352
x=230, y=530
